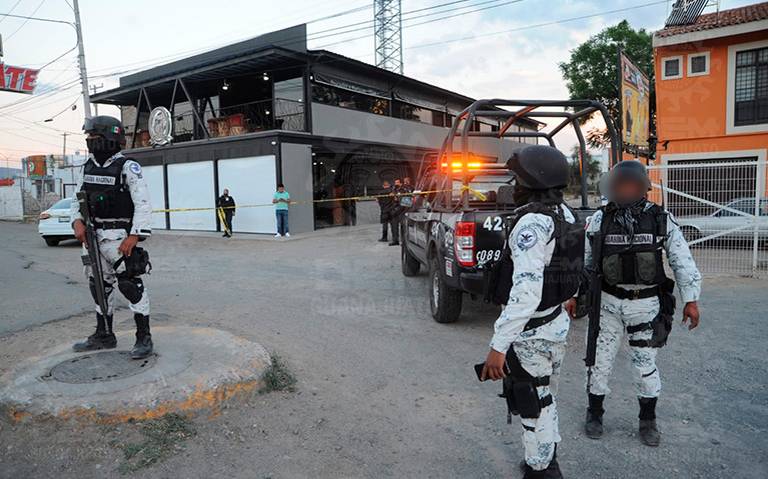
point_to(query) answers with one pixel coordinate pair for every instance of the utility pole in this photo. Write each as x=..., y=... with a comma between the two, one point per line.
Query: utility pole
x=387, y=30
x=94, y=89
x=81, y=60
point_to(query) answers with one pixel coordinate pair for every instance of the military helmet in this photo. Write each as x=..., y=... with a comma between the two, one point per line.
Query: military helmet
x=108, y=127
x=539, y=167
x=631, y=170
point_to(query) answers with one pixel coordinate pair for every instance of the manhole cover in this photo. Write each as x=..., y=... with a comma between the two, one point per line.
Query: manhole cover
x=99, y=367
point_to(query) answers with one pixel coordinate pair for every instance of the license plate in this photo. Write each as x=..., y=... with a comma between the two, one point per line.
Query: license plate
x=63, y=219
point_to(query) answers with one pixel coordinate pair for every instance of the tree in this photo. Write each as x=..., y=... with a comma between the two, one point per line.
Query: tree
x=593, y=170
x=593, y=71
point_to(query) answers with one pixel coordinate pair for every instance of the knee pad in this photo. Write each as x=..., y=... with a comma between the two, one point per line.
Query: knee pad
x=92, y=287
x=132, y=288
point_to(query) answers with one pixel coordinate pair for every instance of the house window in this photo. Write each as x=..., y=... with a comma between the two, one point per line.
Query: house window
x=751, y=83
x=698, y=64
x=671, y=68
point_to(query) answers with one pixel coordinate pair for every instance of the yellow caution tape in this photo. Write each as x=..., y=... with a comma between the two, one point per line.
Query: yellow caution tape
x=223, y=220
x=327, y=200
x=480, y=196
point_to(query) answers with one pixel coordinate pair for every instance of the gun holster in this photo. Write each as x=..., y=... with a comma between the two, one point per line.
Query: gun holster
x=661, y=325
x=519, y=390
x=136, y=264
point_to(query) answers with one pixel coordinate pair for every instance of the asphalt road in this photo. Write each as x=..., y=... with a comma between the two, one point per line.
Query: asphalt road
x=383, y=390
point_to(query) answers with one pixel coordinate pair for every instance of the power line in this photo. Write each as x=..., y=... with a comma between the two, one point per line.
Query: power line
x=26, y=19
x=539, y=25
x=11, y=10
x=525, y=27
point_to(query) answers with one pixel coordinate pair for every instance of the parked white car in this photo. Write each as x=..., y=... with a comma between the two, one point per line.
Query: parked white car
x=54, y=224
x=722, y=220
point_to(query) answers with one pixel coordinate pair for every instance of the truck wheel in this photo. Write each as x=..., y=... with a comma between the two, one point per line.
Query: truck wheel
x=445, y=302
x=51, y=241
x=410, y=265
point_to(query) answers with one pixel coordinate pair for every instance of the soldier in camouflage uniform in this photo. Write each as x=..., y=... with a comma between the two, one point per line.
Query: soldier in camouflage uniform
x=634, y=232
x=530, y=333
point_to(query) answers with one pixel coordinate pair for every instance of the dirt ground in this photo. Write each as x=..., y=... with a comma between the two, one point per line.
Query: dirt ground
x=382, y=391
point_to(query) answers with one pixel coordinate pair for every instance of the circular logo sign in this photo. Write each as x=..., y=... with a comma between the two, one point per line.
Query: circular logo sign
x=160, y=126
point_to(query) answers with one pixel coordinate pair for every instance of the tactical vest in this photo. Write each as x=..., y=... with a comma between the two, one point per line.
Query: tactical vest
x=562, y=275
x=636, y=260
x=108, y=194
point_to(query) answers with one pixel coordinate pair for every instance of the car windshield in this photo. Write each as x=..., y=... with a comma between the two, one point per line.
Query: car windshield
x=62, y=204
x=483, y=184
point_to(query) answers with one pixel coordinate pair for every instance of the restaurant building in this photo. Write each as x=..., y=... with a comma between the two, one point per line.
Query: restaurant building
x=269, y=110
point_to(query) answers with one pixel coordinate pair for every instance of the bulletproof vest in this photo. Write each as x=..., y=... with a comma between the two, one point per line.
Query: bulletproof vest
x=562, y=275
x=108, y=194
x=637, y=259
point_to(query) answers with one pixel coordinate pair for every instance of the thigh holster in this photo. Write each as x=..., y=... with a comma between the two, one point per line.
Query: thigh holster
x=661, y=325
x=128, y=281
x=519, y=390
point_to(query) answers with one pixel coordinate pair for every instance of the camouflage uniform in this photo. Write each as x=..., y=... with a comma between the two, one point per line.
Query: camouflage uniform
x=110, y=239
x=539, y=350
x=617, y=314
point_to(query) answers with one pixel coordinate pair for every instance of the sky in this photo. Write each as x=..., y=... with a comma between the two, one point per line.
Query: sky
x=509, y=49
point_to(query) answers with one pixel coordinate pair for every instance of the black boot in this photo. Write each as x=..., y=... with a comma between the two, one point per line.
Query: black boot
x=103, y=338
x=143, y=346
x=649, y=433
x=551, y=472
x=594, y=425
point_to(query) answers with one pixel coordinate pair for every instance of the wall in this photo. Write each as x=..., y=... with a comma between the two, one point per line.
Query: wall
x=154, y=177
x=691, y=111
x=296, y=168
x=358, y=125
x=11, y=206
x=190, y=185
x=250, y=181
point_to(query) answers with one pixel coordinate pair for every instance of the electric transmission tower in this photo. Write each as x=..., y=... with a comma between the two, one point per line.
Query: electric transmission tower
x=387, y=30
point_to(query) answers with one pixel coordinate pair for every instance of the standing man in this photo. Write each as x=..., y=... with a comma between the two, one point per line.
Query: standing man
x=637, y=297
x=545, y=250
x=118, y=201
x=227, y=204
x=395, y=212
x=407, y=184
x=385, y=205
x=281, y=200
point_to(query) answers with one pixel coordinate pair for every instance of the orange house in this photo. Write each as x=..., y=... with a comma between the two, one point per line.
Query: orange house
x=712, y=89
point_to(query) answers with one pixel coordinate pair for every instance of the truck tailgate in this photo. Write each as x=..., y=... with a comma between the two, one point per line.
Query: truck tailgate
x=490, y=234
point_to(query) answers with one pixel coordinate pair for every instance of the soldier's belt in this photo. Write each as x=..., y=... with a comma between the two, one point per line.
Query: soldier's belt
x=622, y=293
x=112, y=225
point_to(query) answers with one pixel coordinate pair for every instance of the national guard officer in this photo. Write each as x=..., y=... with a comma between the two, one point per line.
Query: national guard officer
x=118, y=202
x=545, y=251
x=636, y=297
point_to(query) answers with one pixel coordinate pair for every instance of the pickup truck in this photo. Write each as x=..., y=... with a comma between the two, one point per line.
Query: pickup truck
x=459, y=219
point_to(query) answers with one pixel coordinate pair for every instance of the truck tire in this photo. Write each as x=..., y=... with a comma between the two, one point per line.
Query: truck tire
x=410, y=265
x=444, y=302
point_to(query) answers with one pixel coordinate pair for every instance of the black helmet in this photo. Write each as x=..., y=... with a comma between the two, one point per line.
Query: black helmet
x=108, y=127
x=539, y=167
x=631, y=170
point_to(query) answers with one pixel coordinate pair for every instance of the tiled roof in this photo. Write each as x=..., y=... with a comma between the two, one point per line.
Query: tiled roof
x=725, y=18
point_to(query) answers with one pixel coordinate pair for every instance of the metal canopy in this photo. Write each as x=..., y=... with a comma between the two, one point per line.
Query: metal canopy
x=266, y=59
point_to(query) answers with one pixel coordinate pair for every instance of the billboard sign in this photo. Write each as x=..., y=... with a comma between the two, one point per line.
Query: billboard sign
x=37, y=166
x=18, y=79
x=635, y=103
